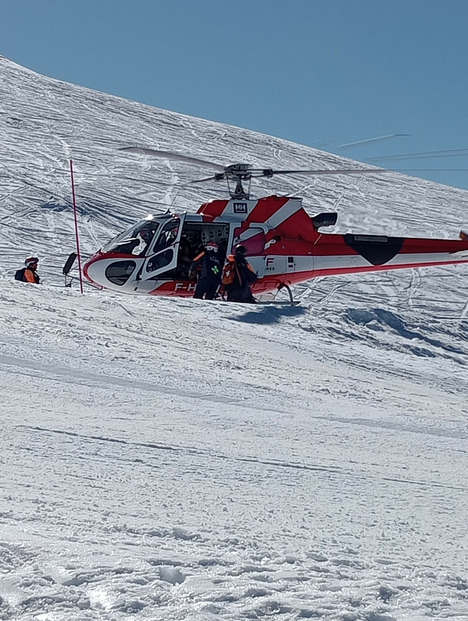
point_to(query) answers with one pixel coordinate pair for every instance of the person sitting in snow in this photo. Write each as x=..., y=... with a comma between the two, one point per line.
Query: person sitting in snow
x=29, y=273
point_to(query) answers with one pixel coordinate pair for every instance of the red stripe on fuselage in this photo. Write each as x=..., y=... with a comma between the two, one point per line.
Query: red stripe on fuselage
x=212, y=210
x=329, y=244
x=266, y=208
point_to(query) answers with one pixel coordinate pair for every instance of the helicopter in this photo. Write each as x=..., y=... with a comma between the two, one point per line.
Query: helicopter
x=285, y=245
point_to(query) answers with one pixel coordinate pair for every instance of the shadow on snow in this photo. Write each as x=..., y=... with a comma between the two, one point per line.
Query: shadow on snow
x=269, y=314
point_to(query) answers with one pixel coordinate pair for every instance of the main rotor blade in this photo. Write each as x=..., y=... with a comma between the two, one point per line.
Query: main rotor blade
x=337, y=171
x=212, y=178
x=169, y=155
x=268, y=172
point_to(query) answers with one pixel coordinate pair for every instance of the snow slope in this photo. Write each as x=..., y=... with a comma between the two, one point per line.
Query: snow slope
x=181, y=459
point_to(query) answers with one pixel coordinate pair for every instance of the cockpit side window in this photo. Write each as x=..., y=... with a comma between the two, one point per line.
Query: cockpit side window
x=120, y=271
x=160, y=260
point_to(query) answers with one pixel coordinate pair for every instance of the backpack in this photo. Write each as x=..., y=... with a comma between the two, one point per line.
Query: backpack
x=229, y=273
x=19, y=274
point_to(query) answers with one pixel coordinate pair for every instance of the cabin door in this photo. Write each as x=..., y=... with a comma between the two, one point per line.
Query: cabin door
x=163, y=257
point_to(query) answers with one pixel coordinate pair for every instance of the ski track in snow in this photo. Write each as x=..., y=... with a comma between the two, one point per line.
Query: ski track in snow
x=178, y=459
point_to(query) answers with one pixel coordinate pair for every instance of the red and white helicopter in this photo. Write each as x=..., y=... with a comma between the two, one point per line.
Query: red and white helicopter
x=284, y=244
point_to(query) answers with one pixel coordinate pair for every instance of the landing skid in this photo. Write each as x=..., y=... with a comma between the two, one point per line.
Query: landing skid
x=289, y=302
x=70, y=279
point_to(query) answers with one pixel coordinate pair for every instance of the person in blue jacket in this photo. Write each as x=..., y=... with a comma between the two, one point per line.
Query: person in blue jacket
x=206, y=267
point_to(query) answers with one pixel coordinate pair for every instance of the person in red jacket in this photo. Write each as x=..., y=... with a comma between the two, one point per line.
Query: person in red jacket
x=29, y=273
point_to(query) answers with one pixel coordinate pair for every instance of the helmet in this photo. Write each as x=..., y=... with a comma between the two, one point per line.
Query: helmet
x=211, y=245
x=31, y=261
x=241, y=249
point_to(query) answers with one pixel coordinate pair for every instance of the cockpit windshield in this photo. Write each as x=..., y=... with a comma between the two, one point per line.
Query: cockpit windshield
x=136, y=240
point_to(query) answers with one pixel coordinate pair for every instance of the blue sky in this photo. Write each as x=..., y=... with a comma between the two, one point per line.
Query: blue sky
x=324, y=73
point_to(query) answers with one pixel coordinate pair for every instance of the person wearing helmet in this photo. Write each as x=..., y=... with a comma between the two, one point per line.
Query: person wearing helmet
x=137, y=245
x=207, y=269
x=29, y=273
x=238, y=276
x=144, y=237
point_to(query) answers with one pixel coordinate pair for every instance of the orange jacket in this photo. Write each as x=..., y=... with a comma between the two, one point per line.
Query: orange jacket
x=31, y=276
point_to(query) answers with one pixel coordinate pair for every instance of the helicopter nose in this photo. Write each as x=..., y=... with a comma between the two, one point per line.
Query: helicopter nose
x=109, y=272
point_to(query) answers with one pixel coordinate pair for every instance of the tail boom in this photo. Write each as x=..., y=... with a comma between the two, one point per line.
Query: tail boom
x=353, y=254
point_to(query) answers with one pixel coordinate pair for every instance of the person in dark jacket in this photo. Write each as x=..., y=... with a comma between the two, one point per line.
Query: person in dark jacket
x=29, y=273
x=244, y=276
x=207, y=268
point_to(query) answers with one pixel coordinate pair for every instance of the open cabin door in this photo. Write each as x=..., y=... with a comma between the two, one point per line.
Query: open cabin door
x=162, y=256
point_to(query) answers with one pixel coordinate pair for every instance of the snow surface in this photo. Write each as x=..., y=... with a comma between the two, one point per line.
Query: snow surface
x=190, y=460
